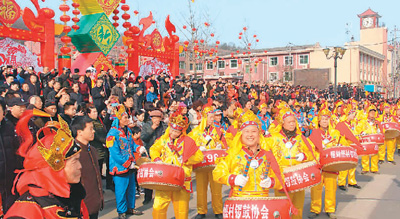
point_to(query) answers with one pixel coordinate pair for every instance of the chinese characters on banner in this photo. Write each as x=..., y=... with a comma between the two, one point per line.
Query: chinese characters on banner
x=15, y=54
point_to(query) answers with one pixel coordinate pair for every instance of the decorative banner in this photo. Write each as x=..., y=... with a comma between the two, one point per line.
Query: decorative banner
x=98, y=60
x=156, y=40
x=15, y=54
x=97, y=6
x=154, y=67
x=108, y=5
x=9, y=12
x=97, y=34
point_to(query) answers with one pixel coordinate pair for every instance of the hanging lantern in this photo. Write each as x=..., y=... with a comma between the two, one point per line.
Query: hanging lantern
x=184, y=27
x=136, y=12
x=196, y=41
x=65, y=18
x=255, y=36
x=240, y=34
x=217, y=42
x=237, y=51
x=244, y=28
x=201, y=41
x=194, y=29
x=232, y=54
x=186, y=43
x=75, y=12
x=257, y=40
x=249, y=52
x=249, y=44
x=212, y=35
x=265, y=51
x=240, y=38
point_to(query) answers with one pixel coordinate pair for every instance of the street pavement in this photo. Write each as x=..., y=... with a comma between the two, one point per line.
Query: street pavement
x=379, y=197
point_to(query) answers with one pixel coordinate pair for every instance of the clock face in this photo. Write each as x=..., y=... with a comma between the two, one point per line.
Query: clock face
x=368, y=22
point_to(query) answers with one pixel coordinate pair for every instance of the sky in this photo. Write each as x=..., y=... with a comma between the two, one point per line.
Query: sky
x=276, y=23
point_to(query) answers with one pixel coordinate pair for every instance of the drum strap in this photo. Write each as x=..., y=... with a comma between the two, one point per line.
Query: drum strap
x=309, y=148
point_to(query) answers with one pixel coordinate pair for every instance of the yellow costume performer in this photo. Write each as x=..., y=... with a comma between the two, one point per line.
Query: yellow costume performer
x=396, y=113
x=366, y=127
x=207, y=136
x=326, y=137
x=289, y=149
x=390, y=144
x=350, y=175
x=174, y=147
x=250, y=168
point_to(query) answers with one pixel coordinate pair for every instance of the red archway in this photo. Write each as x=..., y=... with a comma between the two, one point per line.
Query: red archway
x=41, y=27
x=152, y=45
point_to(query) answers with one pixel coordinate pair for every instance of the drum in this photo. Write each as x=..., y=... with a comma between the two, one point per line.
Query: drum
x=208, y=163
x=339, y=158
x=256, y=207
x=369, y=148
x=142, y=160
x=377, y=138
x=302, y=176
x=161, y=176
x=391, y=129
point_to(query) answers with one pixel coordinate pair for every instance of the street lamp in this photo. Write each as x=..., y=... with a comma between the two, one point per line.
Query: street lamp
x=337, y=52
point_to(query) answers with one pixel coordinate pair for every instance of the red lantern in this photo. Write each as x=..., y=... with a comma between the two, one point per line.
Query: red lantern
x=126, y=25
x=115, y=18
x=136, y=12
x=212, y=35
x=257, y=40
x=244, y=28
x=240, y=34
x=240, y=38
x=116, y=11
x=128, y=33
x=135, y=30
x=75, y=5
x=185, y=49
x=265, y=51
x=65, y=50
x=249, y=52
x=255, y=36
x=217, y=42
x=65, y=18
x=67, y=29
x=130, y=50
x=240, y=62
x=126, y=16
x=66, y=39
x=184, y=27
x=76, y=12
x=75, y=27
x=64, y=8
x=130, y=41
x=125, y=7
x=193, y=29
x=244, y=53
x=237, y=51
x=115, y=25
x=249, y=44
x=232, y=54
x=196, y=41
x=202, y=41
x=75, y=19
x=186, y=43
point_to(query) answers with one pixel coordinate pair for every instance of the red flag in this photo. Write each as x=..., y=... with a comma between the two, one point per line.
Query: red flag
x=189, y=148
x=346, y=132
x=316, y=139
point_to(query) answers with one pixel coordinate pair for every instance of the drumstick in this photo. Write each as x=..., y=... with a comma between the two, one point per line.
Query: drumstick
x=267, y=170
x=246, y=171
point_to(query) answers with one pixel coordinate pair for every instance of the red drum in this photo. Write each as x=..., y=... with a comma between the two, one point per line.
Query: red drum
x=376, y=138
x=339, y=158
x=302, y=176
x=256, y=207
x=161, y=176
x=208, y=163
x=391, y=129
x=369, y=148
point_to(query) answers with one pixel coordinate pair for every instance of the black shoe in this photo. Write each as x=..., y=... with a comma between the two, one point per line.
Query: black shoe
x=375, y=172
x=364, y=172
x=312, y=215
x=145, y=202
x=200, y=216
x=342, y=188
x=133, y=212
x=398, y=151
x=392, y=162
x=355, y=186
x=381, y=162
x=332, y=215
x=122, y=216
x=219, y=216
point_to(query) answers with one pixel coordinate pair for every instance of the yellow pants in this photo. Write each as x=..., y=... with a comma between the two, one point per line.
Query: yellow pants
x=351, y=174
x=202, y=181
x=374, y=163
x=398, y=142
x=390, y=144
x=298, y=201
x=180, y=200
x=329, y=181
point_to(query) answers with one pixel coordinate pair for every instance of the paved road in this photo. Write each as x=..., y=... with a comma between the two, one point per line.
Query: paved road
x=378, y=198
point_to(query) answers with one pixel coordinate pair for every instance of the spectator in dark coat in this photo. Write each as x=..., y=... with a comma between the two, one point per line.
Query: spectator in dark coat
x=99, y=95
x=75, y=95
x=179, y=90
x=138, y=100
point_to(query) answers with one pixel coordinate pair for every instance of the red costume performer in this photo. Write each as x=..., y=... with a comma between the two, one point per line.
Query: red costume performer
x=49, y=183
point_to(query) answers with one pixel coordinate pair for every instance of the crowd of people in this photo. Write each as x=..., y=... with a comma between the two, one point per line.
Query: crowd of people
x=72, y=122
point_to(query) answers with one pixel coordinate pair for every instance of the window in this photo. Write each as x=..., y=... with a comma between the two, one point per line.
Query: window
x=210, y=66
x=182, y=54
x=273, y=61
x=273, y=76
x=199, y=67
x=191, y=66
x=303, y=59
x=247, y=69
x=181, y=64
x=288, y=60
x=287, y=76
x=234, y=63
x=221, y=64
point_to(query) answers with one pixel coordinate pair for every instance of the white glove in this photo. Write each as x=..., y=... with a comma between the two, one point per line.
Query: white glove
x=132, y=166
x=219, y=146
x=267, y=132
x=142, y=150
x=300, y=157
x=180, y=159
x=241, y=180
x=202, y=148
x=208, y=138
x=266, y=183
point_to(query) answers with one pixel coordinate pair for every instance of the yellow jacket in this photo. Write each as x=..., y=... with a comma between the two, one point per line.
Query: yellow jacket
x=161, y=150
x=283, y=155
x=367, y=128
x=216, y=135
x=235, y=164
x=386, y=118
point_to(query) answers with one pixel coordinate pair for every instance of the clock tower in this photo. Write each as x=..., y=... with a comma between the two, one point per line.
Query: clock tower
x=369, y=19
